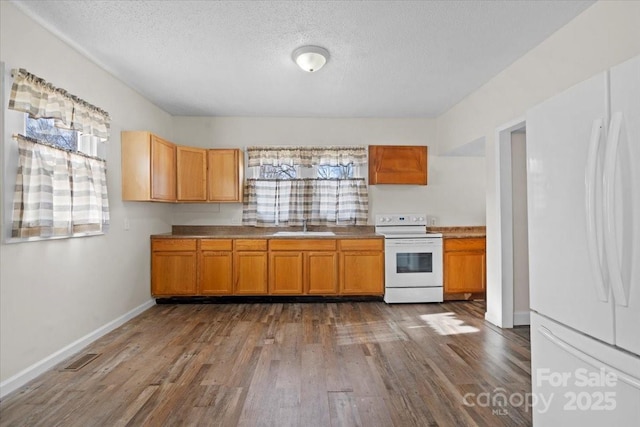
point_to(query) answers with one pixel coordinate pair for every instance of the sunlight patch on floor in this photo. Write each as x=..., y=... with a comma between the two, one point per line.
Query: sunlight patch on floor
x=447, y=324
x=369, y=332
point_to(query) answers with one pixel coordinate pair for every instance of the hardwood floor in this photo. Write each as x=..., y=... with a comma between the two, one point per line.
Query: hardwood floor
x=290, y=364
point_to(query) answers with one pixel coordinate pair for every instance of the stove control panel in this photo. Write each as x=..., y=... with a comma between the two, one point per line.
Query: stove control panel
x=401, y=219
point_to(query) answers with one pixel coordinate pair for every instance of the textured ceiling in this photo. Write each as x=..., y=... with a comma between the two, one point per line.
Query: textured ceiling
x=233, y=58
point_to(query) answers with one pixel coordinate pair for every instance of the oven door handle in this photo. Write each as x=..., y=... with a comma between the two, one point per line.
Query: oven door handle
x=413, y=243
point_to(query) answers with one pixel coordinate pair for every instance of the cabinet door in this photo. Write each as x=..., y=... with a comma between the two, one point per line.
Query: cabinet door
x=285, y=273
x=321, y=273
x=390, y=164
x=362, y=273
x=173, y=273
x=191, y=174
x=225, y=174
x=250, y=273
x=136, y=165
x=464, y=271
x=163, y=169
x=216, y=273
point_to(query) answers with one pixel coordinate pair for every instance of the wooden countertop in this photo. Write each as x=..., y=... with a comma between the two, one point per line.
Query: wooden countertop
x=460, y=232
x=243, y=232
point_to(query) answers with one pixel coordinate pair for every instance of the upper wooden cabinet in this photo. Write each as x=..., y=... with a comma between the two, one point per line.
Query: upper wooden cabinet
x=191, y=174
x=148, y=167
x=398, y=164
x=225, y=175
x=154, y=169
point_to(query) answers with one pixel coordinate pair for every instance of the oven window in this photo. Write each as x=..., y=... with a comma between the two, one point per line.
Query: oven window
x=413, y=262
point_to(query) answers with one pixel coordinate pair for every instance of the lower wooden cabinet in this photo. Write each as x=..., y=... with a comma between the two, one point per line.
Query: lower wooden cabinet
x=464, y=266
x=173, y=267
x=216, y=267
x=321, y=273
x=362, y=267
x=286, y=273
x=192, y=267
x=299, y=267
x=250, y=267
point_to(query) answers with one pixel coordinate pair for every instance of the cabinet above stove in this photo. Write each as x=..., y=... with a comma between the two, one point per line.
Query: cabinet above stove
x=398, y=164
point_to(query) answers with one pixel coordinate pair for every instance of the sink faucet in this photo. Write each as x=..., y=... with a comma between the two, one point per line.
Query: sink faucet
x=304, y=225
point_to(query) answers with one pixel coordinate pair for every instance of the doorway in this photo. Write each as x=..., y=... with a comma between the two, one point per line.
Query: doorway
x=508, y=294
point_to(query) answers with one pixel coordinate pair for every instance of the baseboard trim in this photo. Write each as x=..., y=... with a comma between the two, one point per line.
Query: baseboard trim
x=492, y=319
x=521, y=318
x=23, y=377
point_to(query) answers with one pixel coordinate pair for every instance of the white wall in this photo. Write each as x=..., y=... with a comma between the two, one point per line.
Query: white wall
x=53, y=293
x=602, y=36
x=455, y=193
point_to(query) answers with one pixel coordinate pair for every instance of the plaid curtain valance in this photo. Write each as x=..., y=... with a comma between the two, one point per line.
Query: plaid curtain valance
x=58, y=193
x=34, y=96
x=307, y=156
x=320, y=201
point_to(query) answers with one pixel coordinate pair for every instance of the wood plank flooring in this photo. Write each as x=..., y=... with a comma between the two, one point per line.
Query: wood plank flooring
x=289, y=364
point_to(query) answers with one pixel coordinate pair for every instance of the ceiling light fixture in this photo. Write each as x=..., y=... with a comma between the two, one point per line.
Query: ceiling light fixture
x=310, y=58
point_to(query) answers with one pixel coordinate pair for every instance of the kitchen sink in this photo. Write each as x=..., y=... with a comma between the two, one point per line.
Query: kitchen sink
x=304, y=233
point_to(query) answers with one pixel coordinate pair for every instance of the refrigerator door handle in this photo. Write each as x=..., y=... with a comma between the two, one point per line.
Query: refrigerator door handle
x=622, y=376
x=591, y=198
x=610, y=237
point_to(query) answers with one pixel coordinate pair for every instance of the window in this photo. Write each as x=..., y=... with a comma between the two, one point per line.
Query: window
x=45, y=131
x=278, y=172
x=319, y=171
x=337, y=172
x=61, y=182
x=321, y=185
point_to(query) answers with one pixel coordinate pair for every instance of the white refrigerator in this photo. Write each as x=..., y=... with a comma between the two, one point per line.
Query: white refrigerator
x=583, y=193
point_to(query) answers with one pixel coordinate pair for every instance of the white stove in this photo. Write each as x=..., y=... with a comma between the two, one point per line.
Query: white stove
x=413, y=259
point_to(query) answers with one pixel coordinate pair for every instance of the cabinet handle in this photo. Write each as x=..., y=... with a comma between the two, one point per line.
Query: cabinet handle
x=610, y=237
x=591, y=198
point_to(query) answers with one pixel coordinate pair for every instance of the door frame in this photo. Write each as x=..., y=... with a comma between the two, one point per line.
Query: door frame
x=500, y=291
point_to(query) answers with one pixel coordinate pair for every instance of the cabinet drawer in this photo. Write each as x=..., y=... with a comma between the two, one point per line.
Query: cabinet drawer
x=173, y=245
x=216, y=244
x=251, y=245
x=302, y=245
x=361, y=244
x=464, y=244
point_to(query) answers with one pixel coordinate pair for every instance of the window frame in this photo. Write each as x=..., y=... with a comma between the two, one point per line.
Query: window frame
x=356, y=171
x=12, y=122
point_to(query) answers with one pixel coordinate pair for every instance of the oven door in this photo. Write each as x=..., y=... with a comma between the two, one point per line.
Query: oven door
x=411, y=263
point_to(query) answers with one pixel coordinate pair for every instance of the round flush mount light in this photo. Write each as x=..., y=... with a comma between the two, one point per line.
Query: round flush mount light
x=310, y=58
